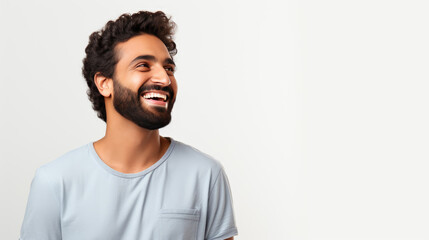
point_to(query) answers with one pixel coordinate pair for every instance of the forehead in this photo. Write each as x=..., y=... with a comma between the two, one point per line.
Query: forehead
x=144, y=44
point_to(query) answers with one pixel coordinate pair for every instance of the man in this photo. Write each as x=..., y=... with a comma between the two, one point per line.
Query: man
x=132, y=183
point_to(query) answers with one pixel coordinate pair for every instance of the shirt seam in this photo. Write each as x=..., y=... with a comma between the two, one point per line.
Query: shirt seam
x=210, y=194
x=214, y=183
x=211, y=188
x=46, y=177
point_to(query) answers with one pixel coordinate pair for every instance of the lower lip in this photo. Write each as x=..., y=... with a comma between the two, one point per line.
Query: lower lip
x=155, y=102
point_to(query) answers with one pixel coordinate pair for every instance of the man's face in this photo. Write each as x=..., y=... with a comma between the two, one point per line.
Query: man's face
x=144, y=87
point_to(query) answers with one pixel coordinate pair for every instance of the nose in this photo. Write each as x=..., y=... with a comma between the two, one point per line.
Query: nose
x=160, y=76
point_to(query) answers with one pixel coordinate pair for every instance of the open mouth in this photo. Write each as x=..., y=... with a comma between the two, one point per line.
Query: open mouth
x=156, y=98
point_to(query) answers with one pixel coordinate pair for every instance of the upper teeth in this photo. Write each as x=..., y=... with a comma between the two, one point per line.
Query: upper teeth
x=157, y=95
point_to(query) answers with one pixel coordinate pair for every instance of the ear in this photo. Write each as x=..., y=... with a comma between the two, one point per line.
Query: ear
x=103, y=84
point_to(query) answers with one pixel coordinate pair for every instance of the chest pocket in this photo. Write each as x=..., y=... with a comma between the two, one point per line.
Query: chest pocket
x=177, y=224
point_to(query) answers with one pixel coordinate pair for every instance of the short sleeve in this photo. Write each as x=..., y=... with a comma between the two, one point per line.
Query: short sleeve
x=42, y=214
x=220, y=215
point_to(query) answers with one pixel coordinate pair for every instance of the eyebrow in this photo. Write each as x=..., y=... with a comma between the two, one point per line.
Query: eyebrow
x=152, y=58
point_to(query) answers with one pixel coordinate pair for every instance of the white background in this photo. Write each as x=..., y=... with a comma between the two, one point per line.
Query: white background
x=318, y=110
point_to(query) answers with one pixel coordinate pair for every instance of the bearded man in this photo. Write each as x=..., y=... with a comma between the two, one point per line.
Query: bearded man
x=132, y=183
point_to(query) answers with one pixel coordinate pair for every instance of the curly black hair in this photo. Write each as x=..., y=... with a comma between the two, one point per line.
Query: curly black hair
x=100, y=54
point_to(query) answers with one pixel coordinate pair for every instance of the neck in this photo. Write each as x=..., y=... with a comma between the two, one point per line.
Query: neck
x=128, y=148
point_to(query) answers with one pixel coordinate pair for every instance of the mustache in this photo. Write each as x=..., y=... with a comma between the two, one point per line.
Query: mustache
x=158, y=88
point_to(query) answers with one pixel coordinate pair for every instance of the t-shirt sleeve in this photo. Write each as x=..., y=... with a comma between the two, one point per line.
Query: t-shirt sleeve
x=220, y=215
x=42, y=214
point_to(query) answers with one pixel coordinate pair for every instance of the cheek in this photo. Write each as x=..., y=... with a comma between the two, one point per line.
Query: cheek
x=136, y=80
x=174, y=83
x=174, y=86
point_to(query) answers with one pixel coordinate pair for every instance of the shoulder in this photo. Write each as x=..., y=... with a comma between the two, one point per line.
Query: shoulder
x=66, y=164
x=190, y=156
x=187, y=161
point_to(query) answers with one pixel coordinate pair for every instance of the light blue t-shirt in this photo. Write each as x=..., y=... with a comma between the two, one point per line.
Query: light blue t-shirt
x=184, y=196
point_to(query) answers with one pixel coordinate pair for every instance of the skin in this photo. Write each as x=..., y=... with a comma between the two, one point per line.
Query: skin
x=127, y=147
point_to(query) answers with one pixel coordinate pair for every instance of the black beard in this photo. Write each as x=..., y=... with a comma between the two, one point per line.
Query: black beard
x=129, y=105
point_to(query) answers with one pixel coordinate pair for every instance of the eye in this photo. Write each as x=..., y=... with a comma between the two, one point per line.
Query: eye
x=142, y=65
x=170, y=69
